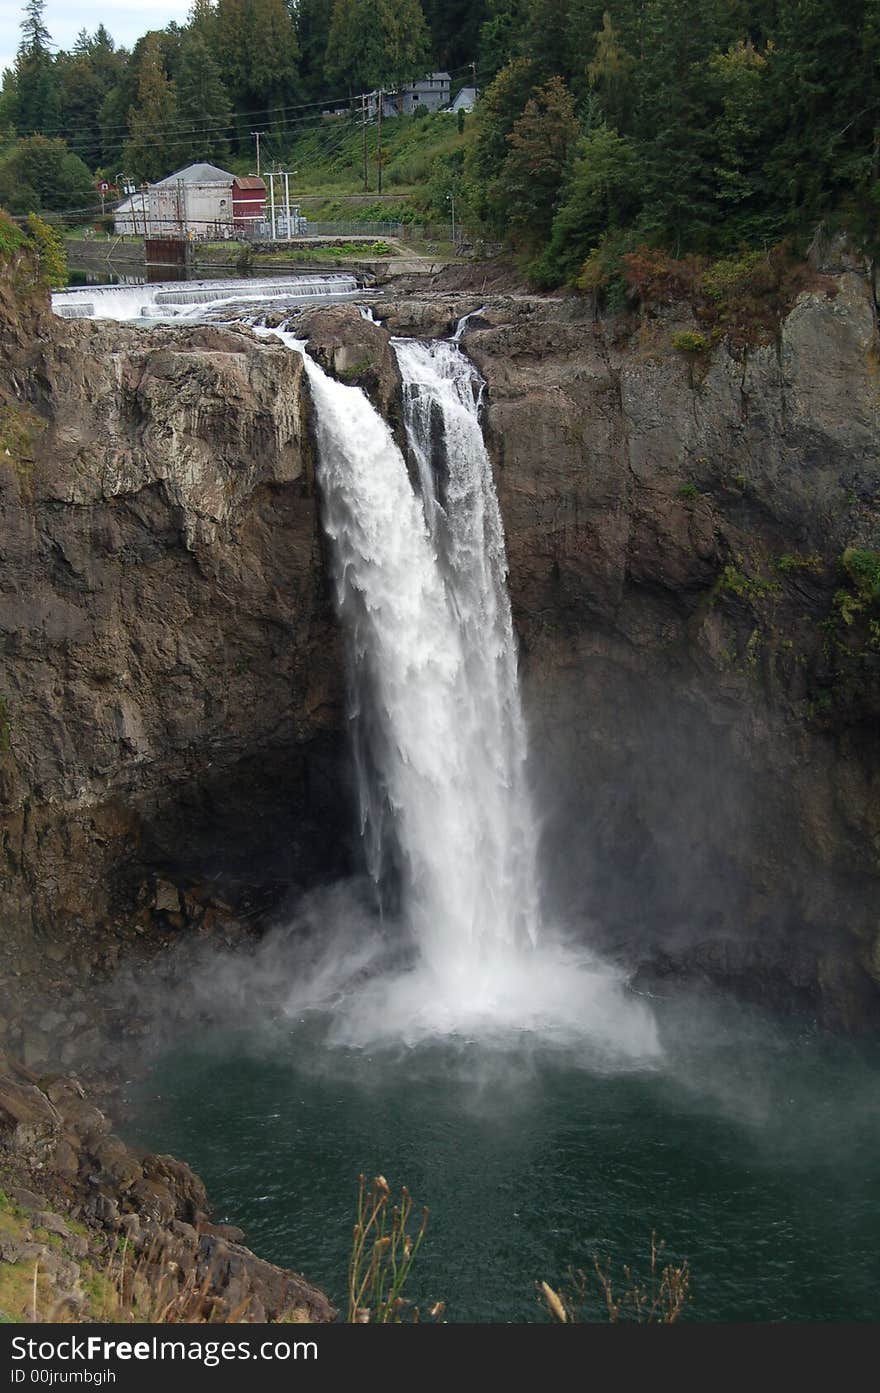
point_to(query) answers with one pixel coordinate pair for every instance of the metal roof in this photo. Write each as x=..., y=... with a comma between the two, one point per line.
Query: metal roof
x=249, y=181
x=198, y=174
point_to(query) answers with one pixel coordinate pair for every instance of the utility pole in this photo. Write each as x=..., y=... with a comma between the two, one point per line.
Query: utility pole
x=256, y=135
x=287, y=202
x=364, y=125
x=474, y=74
x=381, y=104
x=451, y=197
x=272, y=201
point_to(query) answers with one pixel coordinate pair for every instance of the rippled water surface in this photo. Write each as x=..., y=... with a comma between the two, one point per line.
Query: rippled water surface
x=750, y=1147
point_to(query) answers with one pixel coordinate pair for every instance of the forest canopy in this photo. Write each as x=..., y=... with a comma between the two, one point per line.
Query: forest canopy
x=697, y=126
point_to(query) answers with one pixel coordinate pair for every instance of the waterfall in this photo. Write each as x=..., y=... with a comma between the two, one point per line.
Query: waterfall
x=420, y=585
x=420, y=574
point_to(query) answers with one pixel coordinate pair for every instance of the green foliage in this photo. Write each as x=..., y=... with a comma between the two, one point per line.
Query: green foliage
x=152, y=119
x=691, y=344
x=12, y=238
x=610, y=73
x=863, y=569
x=744, y=587
x=376, y=43
x=203, y=104
x=502, y=33
x=541, y=144
x=790, y=562
x=51, y=252
x=604, y=271
x=414, y=152
x=40, y=174
x=601, y=194
x=709, y=129
x=689, y=491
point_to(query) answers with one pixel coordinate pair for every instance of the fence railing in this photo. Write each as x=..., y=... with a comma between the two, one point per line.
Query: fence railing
x=260, y=230
x=352, y=229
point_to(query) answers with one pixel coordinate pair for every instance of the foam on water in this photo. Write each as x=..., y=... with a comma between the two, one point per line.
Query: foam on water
x=191, y=299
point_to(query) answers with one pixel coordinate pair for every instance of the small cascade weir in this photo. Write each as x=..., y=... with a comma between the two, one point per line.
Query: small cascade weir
x=192, y=299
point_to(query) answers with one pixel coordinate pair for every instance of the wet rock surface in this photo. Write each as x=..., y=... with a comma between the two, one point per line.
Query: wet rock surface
x=114, y=1233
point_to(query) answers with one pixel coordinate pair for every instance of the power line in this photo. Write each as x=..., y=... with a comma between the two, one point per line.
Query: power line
x=348, y=99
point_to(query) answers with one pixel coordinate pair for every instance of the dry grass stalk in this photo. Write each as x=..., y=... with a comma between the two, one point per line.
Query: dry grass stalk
x=659, y=1300
x=382, y=1254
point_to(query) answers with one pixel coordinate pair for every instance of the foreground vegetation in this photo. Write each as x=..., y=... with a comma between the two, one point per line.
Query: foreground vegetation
x=110, y=1282
x=45, y=256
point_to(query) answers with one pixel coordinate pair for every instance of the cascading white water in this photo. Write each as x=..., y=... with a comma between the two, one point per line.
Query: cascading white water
x=195, y=299
x=442, y=394
x=433, y=646
x=421, y=587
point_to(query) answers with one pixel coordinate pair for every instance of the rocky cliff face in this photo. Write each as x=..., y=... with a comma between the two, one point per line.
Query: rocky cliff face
x=169, y=666
x=700, y=666
x=701, y=657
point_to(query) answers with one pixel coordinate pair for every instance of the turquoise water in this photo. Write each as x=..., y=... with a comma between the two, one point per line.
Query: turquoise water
x=751, y=1149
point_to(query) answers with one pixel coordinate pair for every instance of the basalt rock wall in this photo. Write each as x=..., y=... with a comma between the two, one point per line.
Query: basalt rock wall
x=691, y=542
x=170, y=669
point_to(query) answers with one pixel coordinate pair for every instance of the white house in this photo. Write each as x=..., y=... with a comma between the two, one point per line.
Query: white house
x=196, y=199
x=129, y=216
x=431, y=91
x=466, y=100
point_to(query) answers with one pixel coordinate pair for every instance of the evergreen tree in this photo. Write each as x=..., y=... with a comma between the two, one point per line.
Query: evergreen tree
x=150, y=151
x=37, y=106
x=610, y=74
x=377, y=43
x=203, y=107
x=86, y=76
x=739, y=77
x=256, y=49
x=502, y=34
x=454, y=27
x=674, y=117
x=602, y=194
x=817, y=94
x=541, y=145
x=312, y=32
x=500, y=107
x=202, y=20
x=547, y=39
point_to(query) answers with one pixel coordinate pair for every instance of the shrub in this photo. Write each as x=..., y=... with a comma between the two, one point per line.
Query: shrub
x=792, y=561
x=11, y=235
x=863, y=569
x=655, y=276
x=690, y=344
x=51, y=254
x=603, y=272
